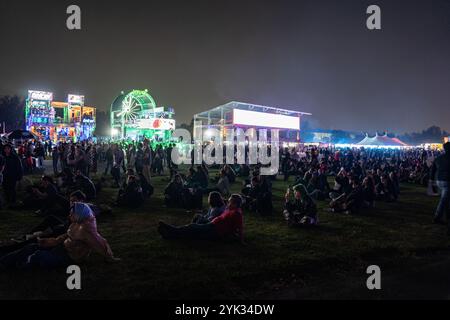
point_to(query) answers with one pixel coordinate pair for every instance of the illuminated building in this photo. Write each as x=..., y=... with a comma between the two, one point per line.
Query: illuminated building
x=242, y=115
x=135, y=116
x=59, y=121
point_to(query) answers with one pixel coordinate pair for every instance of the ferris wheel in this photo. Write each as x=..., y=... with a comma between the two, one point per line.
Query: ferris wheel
x=131, y=108
x=134, y=103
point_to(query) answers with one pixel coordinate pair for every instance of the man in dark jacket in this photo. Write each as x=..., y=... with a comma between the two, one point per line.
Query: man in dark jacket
x=440, y=172
x=12, y=173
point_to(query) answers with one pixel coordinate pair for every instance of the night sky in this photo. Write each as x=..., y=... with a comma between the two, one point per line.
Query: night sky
x=312, y=56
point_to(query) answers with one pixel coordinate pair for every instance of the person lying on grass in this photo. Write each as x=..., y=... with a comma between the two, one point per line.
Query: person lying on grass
x=228, y=224
x=50, y=226
x=300, y=211
x=70, y=248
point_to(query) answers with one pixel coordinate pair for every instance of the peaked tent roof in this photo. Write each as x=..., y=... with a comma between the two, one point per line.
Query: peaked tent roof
x=384, y=141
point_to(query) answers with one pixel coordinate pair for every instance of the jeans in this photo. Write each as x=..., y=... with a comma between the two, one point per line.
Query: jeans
x=55, y=166
x=108, y=167
x=40, y=161
x=192, y=231
x=34, y=256
x=444, y=203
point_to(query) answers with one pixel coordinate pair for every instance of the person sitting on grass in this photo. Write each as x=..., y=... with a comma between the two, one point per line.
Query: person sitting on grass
x=51, y=226
x=70, y=248
x=130, y=196
x=228, y=224
x=230, y=173
x=43, y=197
x=66, y=179
x=216, y=208
x=341, y=185
x=194, y=186
x=244, y=171
x=147, y=187
x=258, y=197
x=368, y=190
x=300, y=211
x=385, y=189
x=351, y=202
x=86, y=185
x=173, y=194
x=223, y=185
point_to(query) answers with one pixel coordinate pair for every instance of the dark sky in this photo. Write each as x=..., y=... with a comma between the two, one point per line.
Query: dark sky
x=313, y=56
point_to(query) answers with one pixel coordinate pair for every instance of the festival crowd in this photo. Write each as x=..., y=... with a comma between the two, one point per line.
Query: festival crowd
x=349, y=181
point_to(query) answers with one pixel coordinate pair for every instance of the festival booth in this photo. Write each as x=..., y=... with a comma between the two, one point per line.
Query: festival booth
x=135, y=116
x=59, y=121
x=234, y=115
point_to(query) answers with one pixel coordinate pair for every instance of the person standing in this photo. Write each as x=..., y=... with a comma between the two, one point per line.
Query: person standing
x=55, y=158
x=117, y=164
x=109, y=157
x=147, y=161
x=440, y=172
x=12, y=173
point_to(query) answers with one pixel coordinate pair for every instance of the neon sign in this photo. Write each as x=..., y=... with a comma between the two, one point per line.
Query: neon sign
x=40, y=95
x=75, y=99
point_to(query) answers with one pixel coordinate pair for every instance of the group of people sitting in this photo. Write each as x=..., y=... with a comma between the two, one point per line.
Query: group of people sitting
x=59, y=241
x=68, y=232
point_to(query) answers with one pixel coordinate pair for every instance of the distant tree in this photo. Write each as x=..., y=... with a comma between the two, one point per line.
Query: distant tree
x=189, y=127
x=430, y=135
x=103, y=124
x=12, y=112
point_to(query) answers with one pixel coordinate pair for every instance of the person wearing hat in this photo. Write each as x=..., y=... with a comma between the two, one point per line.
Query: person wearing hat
x=301, y=210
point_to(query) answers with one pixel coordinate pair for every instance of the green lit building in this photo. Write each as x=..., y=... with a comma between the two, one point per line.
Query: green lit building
x=135, y=116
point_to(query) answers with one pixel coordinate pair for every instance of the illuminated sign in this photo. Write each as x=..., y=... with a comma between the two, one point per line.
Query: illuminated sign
x=265, y=120
x=75, y=99
x=155, y=124
x=40, y=95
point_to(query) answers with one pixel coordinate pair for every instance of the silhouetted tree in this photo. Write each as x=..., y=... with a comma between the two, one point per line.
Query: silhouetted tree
x=430, y=135
x=103, y=124
x=189, y=127
x=12, y=112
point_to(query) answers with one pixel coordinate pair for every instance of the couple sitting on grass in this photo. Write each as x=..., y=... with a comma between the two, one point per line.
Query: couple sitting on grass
x=220, y=222
x=71, y=247
x=300, y=210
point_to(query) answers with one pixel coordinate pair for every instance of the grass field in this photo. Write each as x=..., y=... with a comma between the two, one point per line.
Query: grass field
x=276, y=262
